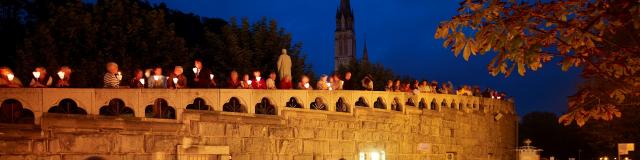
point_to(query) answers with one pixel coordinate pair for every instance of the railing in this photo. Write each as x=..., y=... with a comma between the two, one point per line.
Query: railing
x=170, y=103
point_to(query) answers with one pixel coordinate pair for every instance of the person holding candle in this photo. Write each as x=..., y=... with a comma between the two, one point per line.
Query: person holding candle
x=389, y=87
x=40, y=78
x=64, y=77
x=234, y=82
x=113, y=77
x=322, y=83
x=304, y=83
x=246, y=82
x=177, y=80
x=285, y=83
x=258, y=82
x=337, y=83
x=271, y=81
x=138, y=80
x=202, y=77
x=367, y=83
x=8, y=79
x=157, y=80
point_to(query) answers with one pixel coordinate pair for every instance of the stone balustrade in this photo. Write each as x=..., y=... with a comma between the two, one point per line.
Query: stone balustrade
x=141, y=101
x=152, y=124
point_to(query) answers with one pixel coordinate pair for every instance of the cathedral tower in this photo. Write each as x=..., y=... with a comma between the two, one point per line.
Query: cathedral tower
x=345, y=36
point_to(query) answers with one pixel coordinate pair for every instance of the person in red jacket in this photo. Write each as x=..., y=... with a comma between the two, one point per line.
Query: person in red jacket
x=258, y=82
x=286, y=83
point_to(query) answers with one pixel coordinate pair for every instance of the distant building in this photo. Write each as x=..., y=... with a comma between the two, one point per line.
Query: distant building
x=345, y=35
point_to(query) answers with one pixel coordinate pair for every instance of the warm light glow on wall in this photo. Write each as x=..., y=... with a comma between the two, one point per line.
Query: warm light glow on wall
x=373, y=155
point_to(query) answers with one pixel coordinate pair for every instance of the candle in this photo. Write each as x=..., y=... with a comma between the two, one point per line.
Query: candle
x=249, y=82
x=10, y=76
x=142, y=81
x=329, y=84
x=195, y=70
x=211, y=76
x=306, y=85
x=36, y=74
x=156, y=77
x=175, y=81
x=341, y=82
x=61, y=75
x=258, y=78
x=119, y=76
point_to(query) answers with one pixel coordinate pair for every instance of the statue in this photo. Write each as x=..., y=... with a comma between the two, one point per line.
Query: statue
x=284, y=64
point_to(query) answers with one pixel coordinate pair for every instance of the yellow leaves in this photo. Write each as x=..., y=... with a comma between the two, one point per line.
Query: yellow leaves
x=469, y=48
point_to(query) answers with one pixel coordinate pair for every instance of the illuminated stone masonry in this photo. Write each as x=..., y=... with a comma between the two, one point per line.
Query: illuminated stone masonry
x=252, y=124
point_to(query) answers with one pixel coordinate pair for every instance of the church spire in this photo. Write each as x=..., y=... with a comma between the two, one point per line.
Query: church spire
x=365, y=53
x=345, y=36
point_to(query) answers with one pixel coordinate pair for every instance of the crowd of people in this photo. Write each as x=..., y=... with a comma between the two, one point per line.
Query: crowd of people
x=204, y=78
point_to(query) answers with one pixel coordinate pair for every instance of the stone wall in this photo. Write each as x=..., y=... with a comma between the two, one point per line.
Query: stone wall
x=478, y=129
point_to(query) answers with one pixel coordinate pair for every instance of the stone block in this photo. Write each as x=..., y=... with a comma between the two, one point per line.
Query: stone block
x=15, y=146
x=259, y=145
x=211, y=129
x=161, y=144
x=289, y=146
x=259, y=131
x=85, y=143
x=281, y=132
x=130, y=144
x=348, y=135
x=305, y=133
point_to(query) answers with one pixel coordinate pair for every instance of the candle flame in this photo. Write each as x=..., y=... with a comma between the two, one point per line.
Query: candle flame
x=36, y=74
x=61, y=75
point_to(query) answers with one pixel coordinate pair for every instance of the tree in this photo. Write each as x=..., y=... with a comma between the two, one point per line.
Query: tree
x=599, y=37
x=136, y=35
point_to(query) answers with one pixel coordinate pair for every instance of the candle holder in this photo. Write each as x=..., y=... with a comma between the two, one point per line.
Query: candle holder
x=141, y=81
x=175, y=81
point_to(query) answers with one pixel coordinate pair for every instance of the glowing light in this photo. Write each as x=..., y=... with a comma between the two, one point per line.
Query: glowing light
x=142, y=81
x=195, y=70
x=36, y=74
x=175, y=81
x=119, y=76
x=306, y=85
x=375, y=155
x=258, y=78
x=61, y=75
x=211, y=76
x=156, y=77
x=249, y=82
x=10, y=76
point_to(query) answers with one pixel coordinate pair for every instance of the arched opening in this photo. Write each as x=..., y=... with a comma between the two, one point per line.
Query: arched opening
x=116, y=107
x=434, y=105
x=95, y=158
x=422, y=104
x=233, y=105
x=444, y=103
x=160, y=109
x=396, y=105
x=11, y=111
x=67, y=106
x=453, y=105
x=341, y=105
x=460, y=106
x=410, y=102
x=362, y=102
x=293, y=103
x=318, y=104
x=199, y=104
x=379, y=103
x=265, y=107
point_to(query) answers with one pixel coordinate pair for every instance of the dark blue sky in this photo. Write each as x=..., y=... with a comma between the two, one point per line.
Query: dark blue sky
x=399, y=35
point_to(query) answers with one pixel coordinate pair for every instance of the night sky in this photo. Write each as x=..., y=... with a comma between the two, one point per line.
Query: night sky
x=399, y=35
